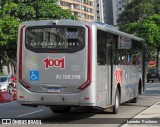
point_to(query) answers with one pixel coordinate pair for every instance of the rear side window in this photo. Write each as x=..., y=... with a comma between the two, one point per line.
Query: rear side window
x=153, y=71
x=3, y=79
x=59, y=38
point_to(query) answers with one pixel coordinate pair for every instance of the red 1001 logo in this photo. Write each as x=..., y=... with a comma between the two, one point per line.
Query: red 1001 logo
x=50, y=62
x=118, y=76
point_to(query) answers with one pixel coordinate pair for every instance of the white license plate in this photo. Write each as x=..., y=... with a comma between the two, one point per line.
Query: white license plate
x=54, y=90
x=153, y=74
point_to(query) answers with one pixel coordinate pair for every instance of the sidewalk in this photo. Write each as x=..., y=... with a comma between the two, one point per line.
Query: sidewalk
x=149, y=117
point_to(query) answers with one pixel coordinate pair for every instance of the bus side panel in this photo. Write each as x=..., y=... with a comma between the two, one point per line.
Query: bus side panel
x=129, y=82
x=102, y=85
x=127, y=67
x=103, y=68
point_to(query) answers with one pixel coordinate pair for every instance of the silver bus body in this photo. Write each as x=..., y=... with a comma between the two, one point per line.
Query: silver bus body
x=72, y=71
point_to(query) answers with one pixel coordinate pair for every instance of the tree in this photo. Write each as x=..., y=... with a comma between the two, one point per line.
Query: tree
x=8, y=37
x=137, y=10
x=36, y=10
x=139, y=18
x=149, y=29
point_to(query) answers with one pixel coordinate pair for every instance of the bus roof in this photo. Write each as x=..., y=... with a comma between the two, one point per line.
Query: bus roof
x=115, y=30
x=99, y=25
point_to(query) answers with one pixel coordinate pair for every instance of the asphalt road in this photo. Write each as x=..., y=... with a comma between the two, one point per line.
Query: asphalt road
x=80, y=116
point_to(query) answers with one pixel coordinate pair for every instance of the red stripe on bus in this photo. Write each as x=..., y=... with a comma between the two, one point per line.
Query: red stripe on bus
x=20, y=59
x=89, y=74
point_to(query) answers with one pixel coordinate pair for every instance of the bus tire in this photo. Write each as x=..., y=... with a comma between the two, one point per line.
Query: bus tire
x=60, y=109
x=134, y=100
x=117, y=102
x=140, y=88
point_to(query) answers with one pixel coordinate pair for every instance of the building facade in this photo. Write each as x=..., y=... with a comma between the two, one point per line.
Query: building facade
x=82, y=9
x=109, y=10
x=118, y=7
x=99, y=14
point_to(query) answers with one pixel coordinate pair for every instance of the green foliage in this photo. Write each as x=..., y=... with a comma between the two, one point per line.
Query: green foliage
x=148, y=28
x=138, y=10
x=36, y=10
x=141, y=18
x=8, y=29
x=151, y=28
x=1, y=73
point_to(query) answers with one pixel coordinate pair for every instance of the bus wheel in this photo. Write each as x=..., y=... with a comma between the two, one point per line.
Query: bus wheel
x=134, y=100
x=117, y=102
x=60, y=109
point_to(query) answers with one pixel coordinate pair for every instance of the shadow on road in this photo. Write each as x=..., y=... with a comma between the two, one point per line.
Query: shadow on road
x=79, y=116
x=134, y=105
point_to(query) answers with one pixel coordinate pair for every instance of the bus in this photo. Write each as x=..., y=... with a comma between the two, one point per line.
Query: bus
x=68, y=63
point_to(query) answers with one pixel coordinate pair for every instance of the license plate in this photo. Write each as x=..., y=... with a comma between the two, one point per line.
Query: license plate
x=153, y=74
x=54, y=90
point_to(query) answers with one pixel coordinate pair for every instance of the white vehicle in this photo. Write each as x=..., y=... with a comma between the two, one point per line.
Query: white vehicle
x=4, y=83
x=65, y=63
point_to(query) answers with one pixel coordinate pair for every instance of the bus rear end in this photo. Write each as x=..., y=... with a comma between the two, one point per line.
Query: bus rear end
x=54, y=64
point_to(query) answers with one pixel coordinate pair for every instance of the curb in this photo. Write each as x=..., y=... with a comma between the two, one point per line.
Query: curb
x=148, y=117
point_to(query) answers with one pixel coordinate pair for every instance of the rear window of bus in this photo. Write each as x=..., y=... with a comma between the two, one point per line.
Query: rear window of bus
x=62, y=39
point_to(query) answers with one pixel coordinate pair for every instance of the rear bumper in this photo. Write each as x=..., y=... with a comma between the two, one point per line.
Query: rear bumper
x=152, y=78
x=27, y=97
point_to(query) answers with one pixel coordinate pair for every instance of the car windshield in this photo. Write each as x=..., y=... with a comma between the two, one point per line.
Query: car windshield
x=3, y=79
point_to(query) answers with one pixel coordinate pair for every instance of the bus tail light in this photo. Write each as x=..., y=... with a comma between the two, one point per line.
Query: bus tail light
x=20, y=59
x=86, y=98
x=89, y=74
x=21, y=97
x=87, y=83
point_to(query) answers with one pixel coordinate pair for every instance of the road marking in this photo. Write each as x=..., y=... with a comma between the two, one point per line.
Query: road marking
x=30, y=113
x=8, y=103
